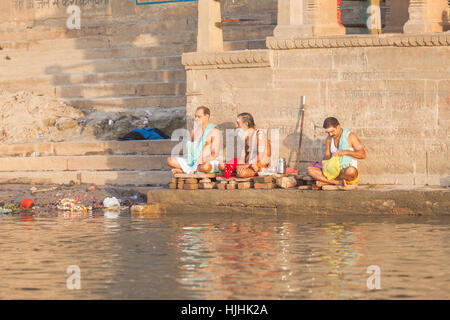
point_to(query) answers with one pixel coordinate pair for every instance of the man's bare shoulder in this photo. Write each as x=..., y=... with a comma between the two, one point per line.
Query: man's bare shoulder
x=352, y=136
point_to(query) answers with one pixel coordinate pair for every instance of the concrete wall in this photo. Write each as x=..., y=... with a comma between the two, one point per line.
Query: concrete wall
x=396, y=99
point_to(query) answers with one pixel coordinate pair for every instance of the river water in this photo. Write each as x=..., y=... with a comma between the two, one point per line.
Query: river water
x=223, y=256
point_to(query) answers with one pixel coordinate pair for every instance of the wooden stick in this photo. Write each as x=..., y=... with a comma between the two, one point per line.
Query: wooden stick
x=302, y=109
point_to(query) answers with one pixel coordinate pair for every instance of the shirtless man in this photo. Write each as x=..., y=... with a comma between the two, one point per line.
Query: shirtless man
x=343, y=143
x=203, y=147
x=256, y=152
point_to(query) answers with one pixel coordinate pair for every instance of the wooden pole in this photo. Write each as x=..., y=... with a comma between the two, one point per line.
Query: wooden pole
x=302, y=109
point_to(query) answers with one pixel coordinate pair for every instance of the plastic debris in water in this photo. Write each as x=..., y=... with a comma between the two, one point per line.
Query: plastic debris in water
x=68, y=204
x=111, y=203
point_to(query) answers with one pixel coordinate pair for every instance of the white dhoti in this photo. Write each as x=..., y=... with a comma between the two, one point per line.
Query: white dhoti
x=191, y=169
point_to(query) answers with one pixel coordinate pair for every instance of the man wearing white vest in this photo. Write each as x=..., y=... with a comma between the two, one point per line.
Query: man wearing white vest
x=345, y=144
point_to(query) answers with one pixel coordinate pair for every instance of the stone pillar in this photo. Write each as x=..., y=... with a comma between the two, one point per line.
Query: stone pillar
x=209, y=36
x=324, y=17
x=291, y=19
x=396, y=15
x=298, y=18
x=374, y=17
x=426, y=16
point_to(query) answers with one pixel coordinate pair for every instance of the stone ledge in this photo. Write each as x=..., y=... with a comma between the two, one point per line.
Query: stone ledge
x=228, y=59
x=383, y=40
x=369, y=201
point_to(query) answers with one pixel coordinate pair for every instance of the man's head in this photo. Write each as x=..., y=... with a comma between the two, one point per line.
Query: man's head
x=202, y=115
x=245, y=121
x=332, y=127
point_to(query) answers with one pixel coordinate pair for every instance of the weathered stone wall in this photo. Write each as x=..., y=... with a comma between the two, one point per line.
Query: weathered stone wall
x=394, y=95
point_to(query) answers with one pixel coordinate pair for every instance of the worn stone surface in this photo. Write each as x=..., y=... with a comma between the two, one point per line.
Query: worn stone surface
x=146, y=210
x=374, y=200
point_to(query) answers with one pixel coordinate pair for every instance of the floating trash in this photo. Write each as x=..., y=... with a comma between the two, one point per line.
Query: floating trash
x=68, y=204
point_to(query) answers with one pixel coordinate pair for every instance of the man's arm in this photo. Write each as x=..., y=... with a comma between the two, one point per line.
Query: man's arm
x=212, y=145
x=354, y=142
x=327, y=149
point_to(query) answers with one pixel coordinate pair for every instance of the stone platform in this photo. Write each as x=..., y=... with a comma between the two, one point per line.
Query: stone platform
x=366, y=200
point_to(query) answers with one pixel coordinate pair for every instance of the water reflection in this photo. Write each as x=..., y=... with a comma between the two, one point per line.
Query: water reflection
x=223, y=256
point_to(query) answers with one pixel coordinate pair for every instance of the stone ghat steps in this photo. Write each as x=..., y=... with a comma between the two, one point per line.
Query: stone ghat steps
x=103, y=41
x=84, y=163
x=90, y=162
x=127, y=102
x=88, y=66
x=33, y=33
x=181, y=36
x=89, y=148
x=71, y=54
x=158, y=76
x=128, y=177
x=70, y=39
x=94, y=90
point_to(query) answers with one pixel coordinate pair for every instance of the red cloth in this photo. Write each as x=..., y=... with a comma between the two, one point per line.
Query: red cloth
x=290, y=170
x=230, y=166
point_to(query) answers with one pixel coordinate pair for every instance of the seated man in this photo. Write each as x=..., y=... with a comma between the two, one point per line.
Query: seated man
x=202, y=149
x=345, y=144
x=257, y=150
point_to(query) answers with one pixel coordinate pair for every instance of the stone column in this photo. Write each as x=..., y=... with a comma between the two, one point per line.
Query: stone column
x=209, y=36
x=297, y=18
x=324, y=17
x=396, y=15
x=374, y=19
x=426, y=16
x=290, y=19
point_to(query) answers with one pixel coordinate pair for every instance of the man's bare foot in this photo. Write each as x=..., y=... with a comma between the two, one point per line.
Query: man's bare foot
x=176, y=171
x=321, y=183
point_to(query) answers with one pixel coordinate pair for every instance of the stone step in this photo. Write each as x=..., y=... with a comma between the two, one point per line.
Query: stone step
x=161, y=76
x=115, y=89
x=87, y=66
x=127, y=102
x=84, y=163
x=106, y=89
x=88, y=148
x=149, y=26
x=130, y=177
x=104, y=41
x=21, y=57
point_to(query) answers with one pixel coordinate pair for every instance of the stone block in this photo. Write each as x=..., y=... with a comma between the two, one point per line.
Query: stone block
x=264, y=185
x=244, y=185
x=146, y=210
x=206, y=185
x=286, y=182
x=190, y=186
x=263, y=179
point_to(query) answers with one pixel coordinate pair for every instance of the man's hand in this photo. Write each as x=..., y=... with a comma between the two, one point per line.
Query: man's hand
x=341, y=153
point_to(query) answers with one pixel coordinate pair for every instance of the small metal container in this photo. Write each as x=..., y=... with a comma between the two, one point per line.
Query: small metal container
x=281, y=168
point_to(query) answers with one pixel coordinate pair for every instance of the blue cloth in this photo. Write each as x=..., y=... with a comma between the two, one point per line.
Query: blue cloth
x=149, y=134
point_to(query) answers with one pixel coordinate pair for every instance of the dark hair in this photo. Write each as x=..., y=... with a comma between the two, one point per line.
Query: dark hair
x=248, y=119
x=205, y=110
x=330, y=122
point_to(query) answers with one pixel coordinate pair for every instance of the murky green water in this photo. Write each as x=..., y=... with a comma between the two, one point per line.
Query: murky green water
x=221, y=256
